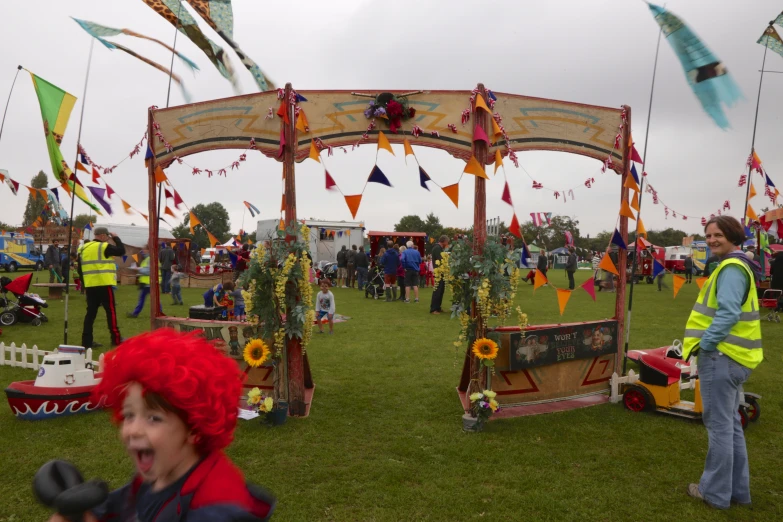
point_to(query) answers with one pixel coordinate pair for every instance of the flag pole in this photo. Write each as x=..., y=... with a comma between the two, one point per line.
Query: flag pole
x=639, y=212
x=73, y=194
x=18, y=68
x=755, y=123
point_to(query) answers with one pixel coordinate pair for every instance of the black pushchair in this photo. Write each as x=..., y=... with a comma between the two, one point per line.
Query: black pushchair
x=26, y=308
x=374, y=287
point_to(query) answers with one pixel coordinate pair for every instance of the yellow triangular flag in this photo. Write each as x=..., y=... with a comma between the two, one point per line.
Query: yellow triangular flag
x=606, y=264
x=481, y=104
x=498, y=160
x=635, y=201
x=631, y=183
x=383, y=142
x=751, y=214
x=193, y=222
x=563, y=296
x=212, y=239
x=314, y=152
x=677, y=282
x=496, y=132
x=752, y=191
x=281, y=225
x=625, y=210
x=452, y=191
x=700, y=281
x=353, y=203
x=301, y=122
x=407, y=145
x=642, y=231
x=475, y=168
x=135, y=257
x=33, y=192
x=540, y=280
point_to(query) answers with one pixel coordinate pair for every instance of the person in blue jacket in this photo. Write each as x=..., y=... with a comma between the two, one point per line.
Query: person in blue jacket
x=390, y=262
x=411, y=259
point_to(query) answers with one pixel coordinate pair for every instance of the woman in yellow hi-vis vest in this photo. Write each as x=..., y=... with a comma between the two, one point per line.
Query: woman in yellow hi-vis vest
x=144, y=283
x=725, y=330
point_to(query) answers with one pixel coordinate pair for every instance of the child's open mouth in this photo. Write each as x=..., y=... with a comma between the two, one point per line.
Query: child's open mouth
x=144, y=459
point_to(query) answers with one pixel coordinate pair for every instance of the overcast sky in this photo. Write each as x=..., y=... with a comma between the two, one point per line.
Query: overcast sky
x=598, y=52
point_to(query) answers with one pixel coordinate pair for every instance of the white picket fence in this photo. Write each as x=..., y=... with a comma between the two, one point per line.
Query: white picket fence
x=24, y=357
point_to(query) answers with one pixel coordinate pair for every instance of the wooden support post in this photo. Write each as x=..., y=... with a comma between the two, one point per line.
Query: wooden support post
x=622, y=258
x=152, y=240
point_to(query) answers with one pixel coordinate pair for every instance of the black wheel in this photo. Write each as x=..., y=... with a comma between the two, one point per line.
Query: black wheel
x=753, y=409
x=36, y=321
x=636, y=398
x=7, y=318
x=11, y=267
x=744, y=417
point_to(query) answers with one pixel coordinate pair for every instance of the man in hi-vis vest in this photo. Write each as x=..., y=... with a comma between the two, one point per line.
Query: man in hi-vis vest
x=144, y=282
x=99, y=276
x=724, y=328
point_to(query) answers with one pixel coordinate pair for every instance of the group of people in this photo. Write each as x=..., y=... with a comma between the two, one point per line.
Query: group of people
x=352, y=267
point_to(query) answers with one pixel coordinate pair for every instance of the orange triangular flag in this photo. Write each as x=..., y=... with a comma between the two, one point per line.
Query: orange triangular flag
x=700, y=281
x=677, y=282
x=168, y=212
x=135, y=257
x=160, y=176
x=751, y=214
x=126, y=206
x=353, y=203
x=212, y=239
x=475, y=168
x=193, y=222
x=314, y=152
x=625, y=210
x=540, y=280
x=752, y=191
x=563, y=296
x=635, y=201
x=498, y=160
x=301, y=122
x=631, y=183
x=641, y=230
x=408, y=149
x=383, y=142
x=496, y=132
x=33, y=192
x=481, y=104
x=606, y=264
x=282, y=111
x=67, y=189
x=452, y=191
x=144, y=216
x=81, y=167
x=281, y=225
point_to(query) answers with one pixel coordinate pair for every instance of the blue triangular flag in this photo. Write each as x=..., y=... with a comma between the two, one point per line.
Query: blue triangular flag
x=423, y=178
x=492, y=96
x=148, y=155
x=124, y=258
x=377, y=176
x=634, y=174
x=525, y=255
x=83, y=159
x=769, y=181
x=56, y=195
x=657, y=268
x=87, y=227
x=617, y=239
x=300, y=98
x=233, y=259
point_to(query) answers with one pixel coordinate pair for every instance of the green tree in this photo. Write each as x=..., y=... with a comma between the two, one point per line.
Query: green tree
x=410, y=224
x=80, y=221
x=551, y=236
x=6, y=227
x=36, y=204
x=432, y=226
x=212, y=216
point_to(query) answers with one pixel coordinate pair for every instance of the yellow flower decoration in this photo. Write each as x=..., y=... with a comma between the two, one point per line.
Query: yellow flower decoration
x=254, y=396
x=267, y=405
x=256, y=353
x=485, y=348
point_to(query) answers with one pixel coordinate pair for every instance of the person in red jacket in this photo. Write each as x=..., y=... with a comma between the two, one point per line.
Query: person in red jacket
x=174, y=397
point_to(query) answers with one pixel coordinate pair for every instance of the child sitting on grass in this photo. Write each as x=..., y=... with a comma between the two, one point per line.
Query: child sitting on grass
x=324, y=306
x=175, y=418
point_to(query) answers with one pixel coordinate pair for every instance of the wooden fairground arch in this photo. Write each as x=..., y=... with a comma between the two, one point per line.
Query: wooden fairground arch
x=337, y=119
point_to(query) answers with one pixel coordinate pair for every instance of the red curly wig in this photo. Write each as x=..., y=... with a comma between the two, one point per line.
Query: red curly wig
x=188, y=372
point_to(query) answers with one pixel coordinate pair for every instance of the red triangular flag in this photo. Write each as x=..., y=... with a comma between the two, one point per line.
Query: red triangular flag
x=480, y=135
x=282, y=146
x=635, y=155
x=167, y=193
x=330, y=184
x=109, y=191
x=513, y=228
x=507, y=195
x=177, y=200
x=282, y=111
x=589, y=287
x=95, y=175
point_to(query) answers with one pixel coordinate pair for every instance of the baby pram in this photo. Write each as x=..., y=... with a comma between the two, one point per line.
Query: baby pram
x=374, y=287
x=770, y=301
x=26, y=308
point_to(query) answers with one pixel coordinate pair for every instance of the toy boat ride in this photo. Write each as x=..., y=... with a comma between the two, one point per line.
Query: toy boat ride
x=63, y=387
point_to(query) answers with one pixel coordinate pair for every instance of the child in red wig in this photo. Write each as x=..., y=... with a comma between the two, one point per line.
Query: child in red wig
x=175, y=398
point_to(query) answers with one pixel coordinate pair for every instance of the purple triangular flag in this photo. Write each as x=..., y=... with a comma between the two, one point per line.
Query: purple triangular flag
x=617, y=239
x=423, y=178
x=56, y=195
x=377, y=176
x=98, y=194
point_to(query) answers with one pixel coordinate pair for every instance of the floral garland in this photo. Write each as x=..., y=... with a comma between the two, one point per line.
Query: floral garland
x=391, y=108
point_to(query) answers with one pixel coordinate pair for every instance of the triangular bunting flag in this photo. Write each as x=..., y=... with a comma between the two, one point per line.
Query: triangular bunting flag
x=383, y=143
x=540, y=280
x=481, y=104
x=635, y=201
x=193, y=222
x=95, y=175
x=496, y=132
x=167, y=193
x=700, y=281
x=475, y=168
x=641, y=230
x=506, y=198
x=377, y=176
x=314, y=152
x=81, y=167
x=177, y=200
x=160, y=176
x=212, y=239
x=353, y=203
x=98, y=194
x=148, y=155
x=751, y=214
x=498, y=160
x=524, y=255
x=635, y=174
x=677, y=282
x=281, y=149
x=33, y=192
x=480, y=135
x=168, y=212
x=657, y=268
x=514, y=229
x=635, y=155
x=755, y=162
x=563, y=296
x=452, y=191
x=282, y=111
x=617, y=239
x=282, y=203
x=109, y=191
x=301, y=122
x=330, y=184
x=408, y=149
x=128, y=208
x=631, y=184
x=144, y=216
x=626, y=211
x=135, y=257
x=423, y=178
x=606, y=264
x=752, y=191
x=124, y=258
x=589, y=287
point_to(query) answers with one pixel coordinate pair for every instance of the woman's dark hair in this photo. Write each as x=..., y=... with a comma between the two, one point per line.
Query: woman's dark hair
x=730, y=227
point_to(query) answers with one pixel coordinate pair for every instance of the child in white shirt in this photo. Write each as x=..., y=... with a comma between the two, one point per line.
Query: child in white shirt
x=324, y=306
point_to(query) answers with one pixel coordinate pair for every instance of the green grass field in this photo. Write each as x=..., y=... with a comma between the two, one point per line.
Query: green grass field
x=384, y=438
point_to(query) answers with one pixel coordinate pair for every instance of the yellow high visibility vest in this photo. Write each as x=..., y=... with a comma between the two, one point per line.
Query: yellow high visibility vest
x=743, y=344
x=97, y=269
x=144, y=279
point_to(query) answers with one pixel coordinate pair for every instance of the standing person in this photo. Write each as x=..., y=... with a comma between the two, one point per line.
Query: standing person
x=350, y=266
x=362, y=267
x=176, y=285
x=98, y=274
x=166, y=257
x=571, y=265
x=144, y=284
x=342, y=267
x=430, y=272
x=390, y=261
x=423, y=272
x=724, y=329
x=401, y=271
x=689, y=269
x=542, y=262
x=52, y=262
x=411, y=259
x=239, y=303
x=324, y=307
x=437, y=295
x=243, y=256
x=596, y=271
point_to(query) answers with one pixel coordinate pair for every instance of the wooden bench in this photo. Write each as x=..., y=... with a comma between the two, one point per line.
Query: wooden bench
x=55, y=289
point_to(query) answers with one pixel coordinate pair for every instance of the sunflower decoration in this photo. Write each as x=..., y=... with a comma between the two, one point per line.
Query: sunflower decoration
x=256, y=353
x=485, y=349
